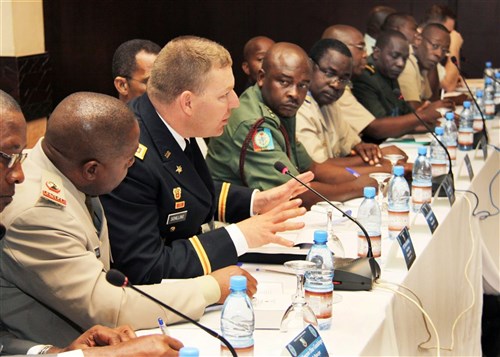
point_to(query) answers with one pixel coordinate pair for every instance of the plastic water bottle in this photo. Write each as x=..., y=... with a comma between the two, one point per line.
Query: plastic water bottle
x=439, y=159
x=488, y=71
x=319, y=282
x=237, y=318
x=399, y=202
x=477, y=123
x=489, y=99
x=450, y=136
x=465, y=130
x=370, y=217
x=497, y=92
x=189, y=352
x=421, y=186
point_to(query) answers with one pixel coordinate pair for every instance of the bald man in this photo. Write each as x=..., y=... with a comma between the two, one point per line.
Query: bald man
x=362, y=118
x=253, y=54
x=56, y=248
x=376, y=18
x=262, y=131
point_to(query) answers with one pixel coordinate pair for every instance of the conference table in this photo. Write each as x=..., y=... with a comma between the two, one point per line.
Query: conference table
x=446, y=277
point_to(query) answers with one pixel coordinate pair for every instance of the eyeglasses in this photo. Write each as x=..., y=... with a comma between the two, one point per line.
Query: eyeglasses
x=143, y=81
x=358, y=46
x=332, y=76
x=435, y=46
x=14, y=159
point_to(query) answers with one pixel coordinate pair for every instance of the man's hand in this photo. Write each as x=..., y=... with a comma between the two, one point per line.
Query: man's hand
x=100, y=336
x=370, y=153
x=266, y=200
x=223, y=275
x=145, y=346
x=262, y=229
x=428, y=111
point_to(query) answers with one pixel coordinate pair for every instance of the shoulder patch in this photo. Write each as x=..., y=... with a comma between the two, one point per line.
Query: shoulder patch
x=370, y=68
x=52, y=189
x=263, y=140
x=141, y=152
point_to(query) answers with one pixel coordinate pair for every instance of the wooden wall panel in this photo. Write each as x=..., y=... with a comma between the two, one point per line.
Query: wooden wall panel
x=81, y=35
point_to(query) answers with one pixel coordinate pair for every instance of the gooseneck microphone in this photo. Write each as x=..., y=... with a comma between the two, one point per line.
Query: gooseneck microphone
x=117, y=278
x=438, y=179
x=375, y=268
x=455, y=62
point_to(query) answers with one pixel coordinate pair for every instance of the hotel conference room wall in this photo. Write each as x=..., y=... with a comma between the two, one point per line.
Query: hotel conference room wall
x=81, y=35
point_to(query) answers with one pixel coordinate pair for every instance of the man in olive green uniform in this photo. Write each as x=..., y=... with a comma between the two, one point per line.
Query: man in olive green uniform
x=262, y=131
x=377, y=88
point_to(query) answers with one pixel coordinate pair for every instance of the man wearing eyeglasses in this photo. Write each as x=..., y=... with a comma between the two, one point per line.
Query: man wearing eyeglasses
x=262, y=131
x=131, y=68
x=433, y=47
x=327, y=139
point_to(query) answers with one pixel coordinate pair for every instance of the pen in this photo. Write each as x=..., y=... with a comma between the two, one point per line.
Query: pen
x=352, y=172
x=162, y=326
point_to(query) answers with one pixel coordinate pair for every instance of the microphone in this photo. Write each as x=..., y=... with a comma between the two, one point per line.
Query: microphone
x=436, y=181
x=117, y=278
x=485, y=133
x=354, y=270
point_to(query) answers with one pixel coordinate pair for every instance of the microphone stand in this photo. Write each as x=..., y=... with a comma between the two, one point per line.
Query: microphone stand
x=375, y=268
x=117, y=278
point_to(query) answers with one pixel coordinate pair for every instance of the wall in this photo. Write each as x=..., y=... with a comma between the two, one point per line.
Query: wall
x=81, y=35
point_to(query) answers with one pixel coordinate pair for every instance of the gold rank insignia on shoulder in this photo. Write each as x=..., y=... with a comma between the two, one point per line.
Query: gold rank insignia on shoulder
x=308, y=99
x=271, y=113
x=370, y=68
x=141, y=152
x=178, y=169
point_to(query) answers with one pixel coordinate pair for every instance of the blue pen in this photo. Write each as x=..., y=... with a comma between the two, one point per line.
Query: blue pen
x=162, y=326
x=352, y=172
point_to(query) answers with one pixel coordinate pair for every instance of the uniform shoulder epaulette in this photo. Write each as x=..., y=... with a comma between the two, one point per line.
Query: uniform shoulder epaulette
x=141, y=152
x=52, y=189
x=370, y=68
x=308, y=99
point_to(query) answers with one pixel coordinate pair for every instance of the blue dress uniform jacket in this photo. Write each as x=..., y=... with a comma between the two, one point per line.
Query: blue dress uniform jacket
x=155, y=214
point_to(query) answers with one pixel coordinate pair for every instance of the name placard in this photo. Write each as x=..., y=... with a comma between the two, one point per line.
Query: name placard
x=407, y=248
x=307, y=344
x=449, y=189
x=468, y=164
x=430, y=217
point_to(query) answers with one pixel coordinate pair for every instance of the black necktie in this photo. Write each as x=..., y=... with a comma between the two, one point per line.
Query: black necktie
x=189, y=151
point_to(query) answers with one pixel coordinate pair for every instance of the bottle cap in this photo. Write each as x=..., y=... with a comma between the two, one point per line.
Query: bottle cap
x=399, y=170
x=488, y=64
x=189, y=352
x=439, y=130
x=320, y=236
x=479, y=93
x=369, y=192
x=238, y=282
x=488, y=81
x=466, y=104
x=449, y=116
x=422, y=150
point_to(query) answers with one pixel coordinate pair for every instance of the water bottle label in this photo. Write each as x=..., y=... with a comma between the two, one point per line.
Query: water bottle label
x=421, y=194
x=363, y=246
x=465, y=137
x=438, y=169
x=477, y=125
x=320, y=303
x=453, y=151
x=489, y=109
x=497, y=99
x=397, y=220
